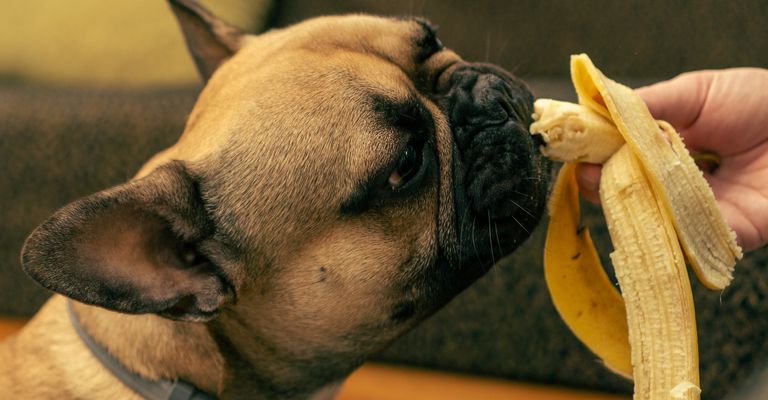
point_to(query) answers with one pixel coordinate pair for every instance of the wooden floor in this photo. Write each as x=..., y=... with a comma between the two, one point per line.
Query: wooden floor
x=384, y=382
x=10, y=325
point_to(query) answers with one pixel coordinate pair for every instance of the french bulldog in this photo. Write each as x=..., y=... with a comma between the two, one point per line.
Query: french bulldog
x=337, y=181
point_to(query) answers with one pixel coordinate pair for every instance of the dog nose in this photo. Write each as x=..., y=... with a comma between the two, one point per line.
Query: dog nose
x=489, y=113
x=481, y=96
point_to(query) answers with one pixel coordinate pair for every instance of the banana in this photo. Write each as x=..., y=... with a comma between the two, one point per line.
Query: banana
x=574, y=133
x=651, y=272
x=709, y=244
x=659, y=210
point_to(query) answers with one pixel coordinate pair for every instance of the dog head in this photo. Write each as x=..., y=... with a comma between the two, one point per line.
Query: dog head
x=336, y=182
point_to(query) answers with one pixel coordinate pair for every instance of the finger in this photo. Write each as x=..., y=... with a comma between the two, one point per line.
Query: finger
x=747, y=235
x=744, y=209
x=678, y=101
x=588, y=178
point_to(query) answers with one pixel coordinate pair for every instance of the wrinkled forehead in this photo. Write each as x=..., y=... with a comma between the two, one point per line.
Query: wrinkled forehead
x=348, y=69
x=405, y=42
x=331, y=76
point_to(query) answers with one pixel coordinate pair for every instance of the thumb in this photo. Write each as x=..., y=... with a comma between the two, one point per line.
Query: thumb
x=588, y=178
x=680, y=100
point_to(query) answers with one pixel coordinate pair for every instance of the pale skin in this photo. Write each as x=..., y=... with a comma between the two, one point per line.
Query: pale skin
x=724, y=112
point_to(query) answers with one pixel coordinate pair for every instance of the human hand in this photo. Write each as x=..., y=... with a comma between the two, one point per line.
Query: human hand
x=724, y=112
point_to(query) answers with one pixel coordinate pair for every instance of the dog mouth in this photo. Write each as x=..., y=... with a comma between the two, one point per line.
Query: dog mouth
x=500, y=177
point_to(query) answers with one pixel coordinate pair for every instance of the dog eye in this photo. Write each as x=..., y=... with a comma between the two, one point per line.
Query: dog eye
x=408, y=166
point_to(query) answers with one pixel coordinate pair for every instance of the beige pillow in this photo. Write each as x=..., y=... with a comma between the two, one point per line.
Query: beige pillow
x=114, y=43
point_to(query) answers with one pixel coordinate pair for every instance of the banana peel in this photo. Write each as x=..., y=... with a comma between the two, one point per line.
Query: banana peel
x=659, y=210
x=580, y=289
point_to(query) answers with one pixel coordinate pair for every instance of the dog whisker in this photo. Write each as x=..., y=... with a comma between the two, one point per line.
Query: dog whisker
x=521, y=208
x=521, y=225
x=529, y=195
x=487, y=46
x=498, y=242
x=490, y=239
x=423, y=6
x=461, y=232
x=474, y=243
x=500, y=51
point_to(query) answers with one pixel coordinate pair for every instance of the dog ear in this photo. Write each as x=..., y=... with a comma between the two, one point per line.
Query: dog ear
x=135, y=248
x=210, y=40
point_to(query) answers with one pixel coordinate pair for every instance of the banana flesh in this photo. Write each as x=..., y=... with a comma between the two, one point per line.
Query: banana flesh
x=657, y=205
x=574, y=133
x=651, y=272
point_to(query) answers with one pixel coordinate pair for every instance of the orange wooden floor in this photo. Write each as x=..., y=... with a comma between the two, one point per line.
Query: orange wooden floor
x=9, y=326
x=383, y=382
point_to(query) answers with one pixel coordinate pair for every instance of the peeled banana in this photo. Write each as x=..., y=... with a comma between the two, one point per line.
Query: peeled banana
x=658, y=207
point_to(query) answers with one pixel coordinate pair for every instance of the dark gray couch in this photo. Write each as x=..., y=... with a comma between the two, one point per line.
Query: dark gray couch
x=58, y=144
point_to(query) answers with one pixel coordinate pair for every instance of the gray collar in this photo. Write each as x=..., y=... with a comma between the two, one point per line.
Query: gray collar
x=162, y=389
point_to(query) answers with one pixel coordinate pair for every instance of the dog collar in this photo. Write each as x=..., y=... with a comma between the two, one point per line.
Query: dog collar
x=162, y=389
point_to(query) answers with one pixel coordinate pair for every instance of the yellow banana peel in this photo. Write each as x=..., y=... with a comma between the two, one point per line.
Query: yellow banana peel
x=658, y=207
x=580, y=289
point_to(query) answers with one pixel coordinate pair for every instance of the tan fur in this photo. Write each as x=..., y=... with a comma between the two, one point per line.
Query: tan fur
x=277, y=163
x=235, y=109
